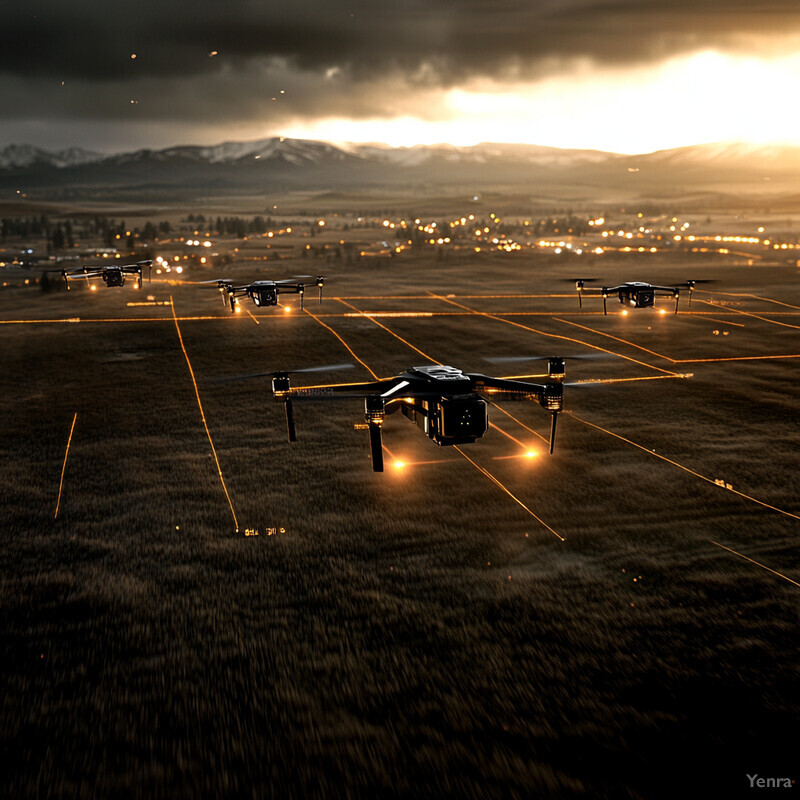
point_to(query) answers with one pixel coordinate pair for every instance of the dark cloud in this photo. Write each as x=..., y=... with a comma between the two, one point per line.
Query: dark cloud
x=278, y=63
x=94, y=40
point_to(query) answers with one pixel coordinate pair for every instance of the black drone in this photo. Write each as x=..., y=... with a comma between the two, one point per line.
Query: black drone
x=445, y=402
x=263, y=293
x=635, y=294
x=113, y=275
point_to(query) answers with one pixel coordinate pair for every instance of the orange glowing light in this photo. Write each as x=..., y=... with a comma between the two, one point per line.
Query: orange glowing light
x=287, y=309
x=399, y=464
x=531, y=454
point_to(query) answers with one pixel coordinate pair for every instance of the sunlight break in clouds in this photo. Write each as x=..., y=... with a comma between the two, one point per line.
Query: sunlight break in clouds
x=704, y=97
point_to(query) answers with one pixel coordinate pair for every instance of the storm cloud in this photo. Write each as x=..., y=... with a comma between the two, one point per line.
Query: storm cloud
x=279, y=62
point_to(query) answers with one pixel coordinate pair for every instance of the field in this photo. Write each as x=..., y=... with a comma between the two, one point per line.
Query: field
x=214, y=611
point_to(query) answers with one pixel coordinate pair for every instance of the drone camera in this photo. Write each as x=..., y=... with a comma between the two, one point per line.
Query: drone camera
x=463, y=419
x=113, y=277
x=265, y=297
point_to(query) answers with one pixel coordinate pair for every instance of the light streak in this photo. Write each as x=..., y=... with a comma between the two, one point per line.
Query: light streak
x=551, y=335
x=522, y=424
x=498, y=428
x=721, y=321
x=396, y=335
x=499, y=484
x=64, y=465
x=252, y=317
x=628, y=380
x=757, y=563
x=346, y=346
x=685, y=469
x=203, y=418
x=372, y=314
x=754, y=296
x=754, y=316
x=615, y=338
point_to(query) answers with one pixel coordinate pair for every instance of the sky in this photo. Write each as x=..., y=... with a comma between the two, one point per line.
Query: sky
x=628, y=76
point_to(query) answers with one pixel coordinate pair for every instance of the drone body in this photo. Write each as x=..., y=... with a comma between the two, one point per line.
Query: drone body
x=446, y=403
x=633, y=294
x=263, y=293
x=112, y=276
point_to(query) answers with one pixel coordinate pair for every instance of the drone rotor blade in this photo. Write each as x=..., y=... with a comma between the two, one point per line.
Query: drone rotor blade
x=324, y=368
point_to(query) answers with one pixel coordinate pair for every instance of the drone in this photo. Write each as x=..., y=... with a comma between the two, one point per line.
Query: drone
x=634, y=293
x=113, y=275
x=263, y=293
x=446, y=403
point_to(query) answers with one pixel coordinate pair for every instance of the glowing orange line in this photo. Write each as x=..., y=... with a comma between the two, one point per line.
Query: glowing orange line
x=530, y=430
x=685, y=469
x=64, y=465
x=252, y=317
x=512, y=496
x=733, y=358
x=755, y=316
x=615, y=338
x=347, y=346
x=388, y=330
x=714, y=319
x=203, y=418
x=754, y=296
x=640, y=378
x=757, y=563
x=498, y=428
x=551, y=335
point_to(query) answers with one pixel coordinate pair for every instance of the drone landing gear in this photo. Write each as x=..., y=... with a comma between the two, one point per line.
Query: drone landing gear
x=553, y=421
x=375, y=411
x=376, y=446
x=289, y=409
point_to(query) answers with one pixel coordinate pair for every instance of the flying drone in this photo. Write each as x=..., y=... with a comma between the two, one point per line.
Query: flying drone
x=263, y=293
x=113, y=275
x=445, y=402
x=636, y=294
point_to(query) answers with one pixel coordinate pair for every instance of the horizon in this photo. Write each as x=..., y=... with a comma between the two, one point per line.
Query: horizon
x=345, y=143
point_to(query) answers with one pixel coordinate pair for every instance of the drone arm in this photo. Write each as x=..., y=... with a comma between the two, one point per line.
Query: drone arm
x=512, y=389
x=336, y=391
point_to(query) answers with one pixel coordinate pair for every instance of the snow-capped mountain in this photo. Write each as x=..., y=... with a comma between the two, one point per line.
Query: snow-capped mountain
x=285, y=164
x=16, y=156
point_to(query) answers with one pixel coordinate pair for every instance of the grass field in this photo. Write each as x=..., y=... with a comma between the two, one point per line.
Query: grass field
x=419, y=632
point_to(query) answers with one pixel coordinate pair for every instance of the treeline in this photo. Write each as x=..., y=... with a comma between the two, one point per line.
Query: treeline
x=68, y=233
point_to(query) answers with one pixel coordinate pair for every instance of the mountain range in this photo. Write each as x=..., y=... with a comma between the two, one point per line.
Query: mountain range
x=283, y=164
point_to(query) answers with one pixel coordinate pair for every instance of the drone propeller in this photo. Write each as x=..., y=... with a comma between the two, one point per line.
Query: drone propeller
x=578, y=282
x=323, y=368
x=691, y=284
x=571, y=357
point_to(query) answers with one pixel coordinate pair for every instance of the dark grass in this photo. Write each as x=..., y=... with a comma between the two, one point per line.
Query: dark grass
x=412, y=633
